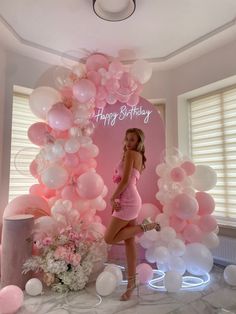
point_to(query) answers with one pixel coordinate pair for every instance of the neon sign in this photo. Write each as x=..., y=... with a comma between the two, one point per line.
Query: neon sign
x=124, y=113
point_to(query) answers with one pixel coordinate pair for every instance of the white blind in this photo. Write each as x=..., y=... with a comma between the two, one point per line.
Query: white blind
x=22, y=150
x=212, y=120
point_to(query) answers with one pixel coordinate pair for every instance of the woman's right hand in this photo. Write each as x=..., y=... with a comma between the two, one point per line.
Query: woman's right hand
x=115, y=205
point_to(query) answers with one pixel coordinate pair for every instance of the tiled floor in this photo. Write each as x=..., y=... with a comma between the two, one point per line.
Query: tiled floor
x=216, y=297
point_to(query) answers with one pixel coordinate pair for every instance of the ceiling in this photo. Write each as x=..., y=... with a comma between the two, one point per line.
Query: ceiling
x=164, y=32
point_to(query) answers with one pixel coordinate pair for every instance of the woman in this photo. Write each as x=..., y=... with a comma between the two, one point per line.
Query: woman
x=126, y=204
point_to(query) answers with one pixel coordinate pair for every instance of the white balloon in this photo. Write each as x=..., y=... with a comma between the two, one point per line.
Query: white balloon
x=177, y=247
x=198, y=259
x=150, y=255
x=98, y=203
x=163, y=266
x=163, y=220
x=177, y=264
x=34, y=287
x=161, y=254
x=168, y=234
x=172, y=281
x=54, y=177
x=211, y=240
x=230, y=275
x=204, y=178
x=115, y=270
x=106, y=283
x=42, y=99
x=145, y=243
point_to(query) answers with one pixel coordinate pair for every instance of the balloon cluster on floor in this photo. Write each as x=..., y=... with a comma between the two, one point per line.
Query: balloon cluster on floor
x=188, y=227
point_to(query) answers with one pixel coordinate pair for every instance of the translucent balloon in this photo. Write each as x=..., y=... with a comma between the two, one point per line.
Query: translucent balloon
x=204, y=178
x=84, y=90
x=24, y=158
x=141, y=71
x=42, y=99
x=72, y=145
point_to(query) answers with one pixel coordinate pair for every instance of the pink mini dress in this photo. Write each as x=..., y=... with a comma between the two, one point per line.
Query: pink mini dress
x=130, y=200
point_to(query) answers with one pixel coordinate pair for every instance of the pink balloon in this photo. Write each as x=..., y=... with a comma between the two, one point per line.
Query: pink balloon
x=207, y=223
x=80, y=169
x=38, y=133
x=92, y=163
x=84, y=91
x=71, y=160
x=100, y=103
x=90, y=185
x=192, y=233
x=184, y=206
x=116, y=68
x=206, y=203
x=101, y=93
x=26, y=204
x=11, y=299
x=60, y=118
x=148, y=210
x=112, y=85
x=94, y=77
x=188, y=167
x=41, y=190
x=133, y=100
x=96, y=61
x=177, y=223
x=177, y=174
x=34, y=168
x=69, y=193
x=145, y=273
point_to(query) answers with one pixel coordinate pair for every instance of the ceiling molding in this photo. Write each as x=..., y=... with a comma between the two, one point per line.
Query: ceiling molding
x=167, y=57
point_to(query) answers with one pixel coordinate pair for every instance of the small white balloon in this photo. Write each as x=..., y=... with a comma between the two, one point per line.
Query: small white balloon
x=177, y=264
x=34, y=287
x=168, y=234
x=106, y=283
x=115, y=270
x=72, y=145
x=211, y=240
x=204, y=178
x=230, y=275
x=177, y=247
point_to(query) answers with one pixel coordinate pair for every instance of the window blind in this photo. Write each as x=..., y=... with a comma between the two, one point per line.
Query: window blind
x=22, y=150
x=212, y=121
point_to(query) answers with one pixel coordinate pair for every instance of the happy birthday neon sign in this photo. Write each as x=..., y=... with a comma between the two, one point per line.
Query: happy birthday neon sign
x=124, y=113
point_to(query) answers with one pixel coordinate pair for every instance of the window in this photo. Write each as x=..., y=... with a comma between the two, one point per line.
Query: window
x=22, y=150
x=212, y=141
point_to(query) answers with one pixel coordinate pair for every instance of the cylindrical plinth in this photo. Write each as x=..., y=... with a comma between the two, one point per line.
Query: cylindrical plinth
x=16, y=249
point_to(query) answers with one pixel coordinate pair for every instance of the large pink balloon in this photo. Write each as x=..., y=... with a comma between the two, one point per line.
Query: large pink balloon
x=188, y=167
x=90, y=185
x=206, y=203
x=184, y=206
x=11, y=299
x=26, y=204
x=38, y=133
x=60, y=118
x=207, y=223
x=177, y=223
x=84, y=91
x=177, y=174
x=192, y=233
x=145, y=272
x=96, y=61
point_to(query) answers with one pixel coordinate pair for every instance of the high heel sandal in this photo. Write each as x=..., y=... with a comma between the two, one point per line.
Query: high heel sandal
x=128, y=293
x=148, y=225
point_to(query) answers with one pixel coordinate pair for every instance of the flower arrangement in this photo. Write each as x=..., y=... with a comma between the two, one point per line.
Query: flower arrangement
x=67, y=253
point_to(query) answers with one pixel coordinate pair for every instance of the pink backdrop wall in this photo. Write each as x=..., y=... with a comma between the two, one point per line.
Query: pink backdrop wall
x=109, y=139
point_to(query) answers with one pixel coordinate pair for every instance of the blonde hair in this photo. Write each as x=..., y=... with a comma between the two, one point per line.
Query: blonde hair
x=140, y=147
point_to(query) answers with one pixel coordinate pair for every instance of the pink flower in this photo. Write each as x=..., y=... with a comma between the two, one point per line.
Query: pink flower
x=76, y=260
x=61, y=252
x=73, y=236
x=116, y=178
x=47, y=241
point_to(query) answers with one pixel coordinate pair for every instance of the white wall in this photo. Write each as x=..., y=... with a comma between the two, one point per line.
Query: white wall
x=209, y=68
